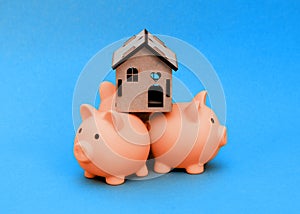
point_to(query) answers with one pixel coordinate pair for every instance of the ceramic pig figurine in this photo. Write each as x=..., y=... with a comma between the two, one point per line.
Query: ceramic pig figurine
x=188, y=137
x=111, y=144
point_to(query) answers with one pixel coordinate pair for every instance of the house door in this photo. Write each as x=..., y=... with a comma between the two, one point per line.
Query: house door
x=155, y=96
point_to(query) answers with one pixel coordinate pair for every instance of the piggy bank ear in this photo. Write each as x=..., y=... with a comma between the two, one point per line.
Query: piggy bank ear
x=201, y=98
x=106, y=89
x=115, y=119
x=191, y=111
x=87, y=111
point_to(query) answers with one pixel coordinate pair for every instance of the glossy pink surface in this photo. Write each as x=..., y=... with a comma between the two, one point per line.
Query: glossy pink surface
x=188, y=137
x=111, y=144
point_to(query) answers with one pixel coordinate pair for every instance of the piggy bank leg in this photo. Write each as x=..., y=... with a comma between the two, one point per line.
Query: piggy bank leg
x=112, y=180
x=88, y=175
x=143, y=171
x=161, y=167
x=195, y=169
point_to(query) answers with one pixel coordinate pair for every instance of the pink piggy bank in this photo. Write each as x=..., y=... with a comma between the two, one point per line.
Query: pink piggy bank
x=112, y=145
x=188, y=137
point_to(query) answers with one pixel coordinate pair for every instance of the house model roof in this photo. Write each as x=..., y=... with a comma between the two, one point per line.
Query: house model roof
x=144, y=39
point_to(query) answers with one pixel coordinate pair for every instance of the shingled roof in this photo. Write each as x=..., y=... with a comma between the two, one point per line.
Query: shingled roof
x=144, y=39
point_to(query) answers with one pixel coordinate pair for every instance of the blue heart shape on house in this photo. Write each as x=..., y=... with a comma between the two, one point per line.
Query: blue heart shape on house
x=155, y=76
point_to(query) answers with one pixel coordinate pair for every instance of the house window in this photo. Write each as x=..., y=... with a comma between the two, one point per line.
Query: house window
x=119, y=88
x=132, y=75
x=168, y=91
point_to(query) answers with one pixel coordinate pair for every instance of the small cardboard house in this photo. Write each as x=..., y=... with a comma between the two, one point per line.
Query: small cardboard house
x=144, y=74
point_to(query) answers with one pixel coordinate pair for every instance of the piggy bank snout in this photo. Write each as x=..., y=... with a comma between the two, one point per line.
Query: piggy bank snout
x=223, y=135
x=81, y=149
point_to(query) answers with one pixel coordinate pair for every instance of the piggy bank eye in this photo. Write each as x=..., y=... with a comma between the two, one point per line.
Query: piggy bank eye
x=96, y=136
x=79, y=131
x=212, y=120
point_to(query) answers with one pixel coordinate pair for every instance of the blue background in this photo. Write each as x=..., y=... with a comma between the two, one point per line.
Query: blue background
x=253, y=46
